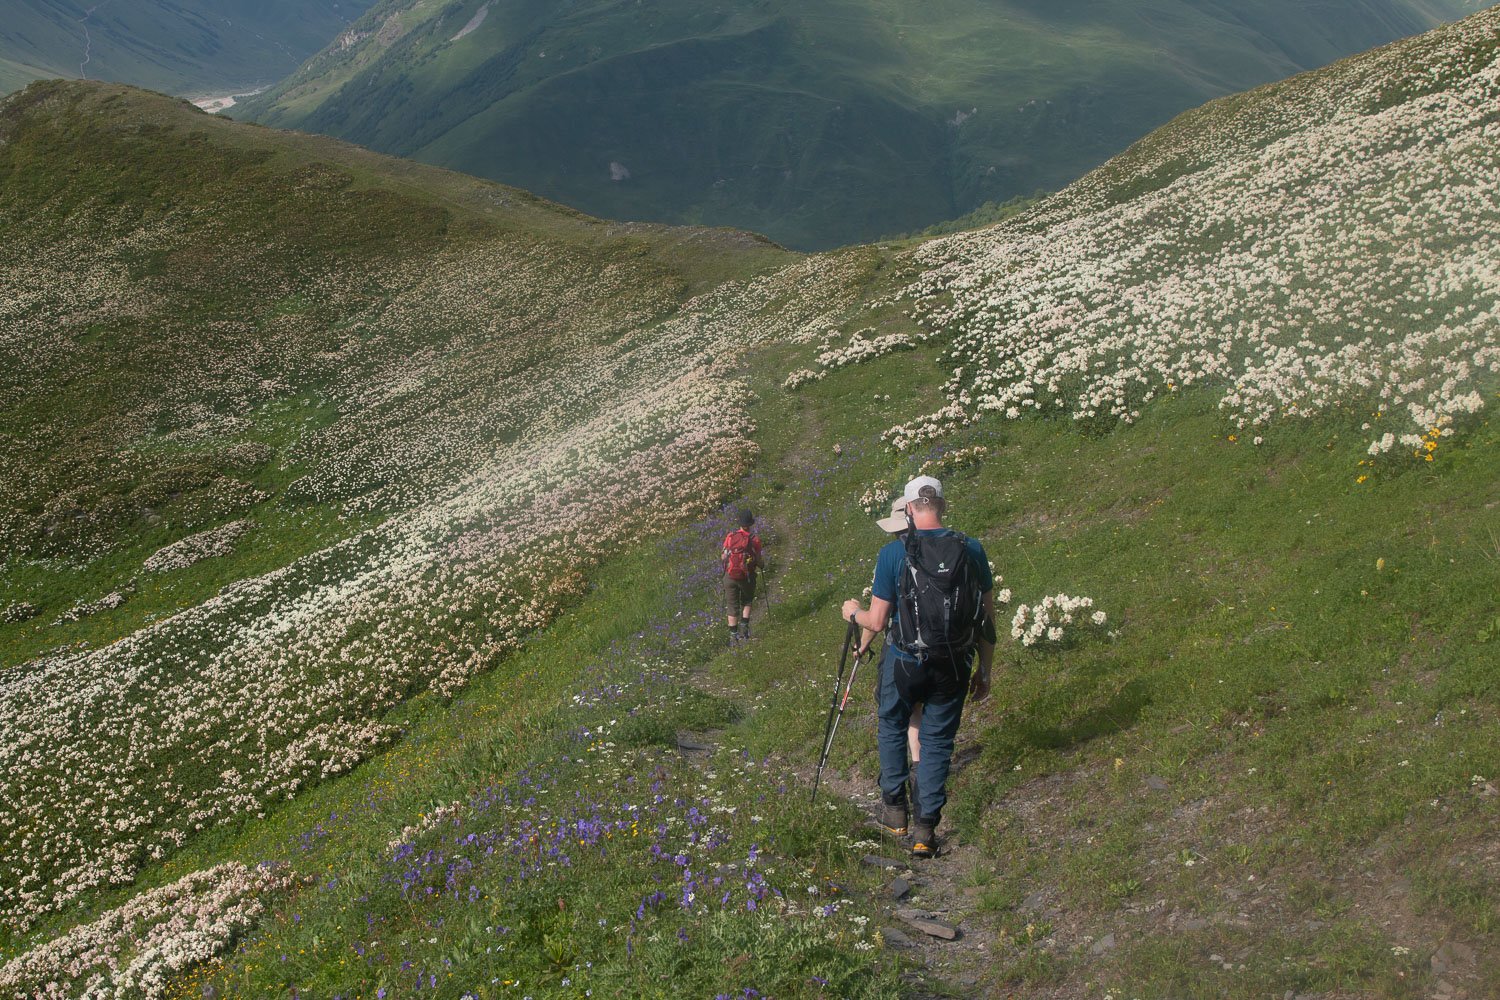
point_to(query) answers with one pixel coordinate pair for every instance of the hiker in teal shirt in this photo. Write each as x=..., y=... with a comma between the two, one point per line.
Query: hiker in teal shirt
x=938, y=679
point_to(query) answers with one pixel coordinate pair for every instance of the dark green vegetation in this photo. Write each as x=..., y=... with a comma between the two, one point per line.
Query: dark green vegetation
x=205, y=47
x=1277, y=774
x=818, y=123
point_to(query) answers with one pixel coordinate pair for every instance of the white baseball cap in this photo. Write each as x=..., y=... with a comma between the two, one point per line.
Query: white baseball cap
x=913, y=491
x=897, y=521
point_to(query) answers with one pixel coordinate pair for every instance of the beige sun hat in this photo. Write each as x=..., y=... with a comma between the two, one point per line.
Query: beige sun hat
x=896, y=523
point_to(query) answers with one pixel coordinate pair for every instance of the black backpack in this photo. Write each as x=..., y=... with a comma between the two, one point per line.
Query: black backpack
x=937, y=597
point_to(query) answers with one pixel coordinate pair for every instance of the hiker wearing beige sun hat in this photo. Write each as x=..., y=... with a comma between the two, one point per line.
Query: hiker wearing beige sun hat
x=897, y=524
x=933, y=589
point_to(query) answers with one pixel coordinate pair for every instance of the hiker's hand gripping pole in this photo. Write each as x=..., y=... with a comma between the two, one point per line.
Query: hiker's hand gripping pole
x=834, y=708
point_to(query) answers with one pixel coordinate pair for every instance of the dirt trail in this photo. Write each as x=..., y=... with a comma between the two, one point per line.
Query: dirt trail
x=940, y=894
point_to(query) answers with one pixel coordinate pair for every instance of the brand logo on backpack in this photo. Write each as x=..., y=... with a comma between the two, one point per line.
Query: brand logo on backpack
x=939, y=614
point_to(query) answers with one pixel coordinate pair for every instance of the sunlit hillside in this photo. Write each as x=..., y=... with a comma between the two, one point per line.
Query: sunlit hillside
x=359, y=618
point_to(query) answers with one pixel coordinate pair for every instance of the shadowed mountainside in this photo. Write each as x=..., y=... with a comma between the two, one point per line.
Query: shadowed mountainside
x=817, y=122
x=203, y=47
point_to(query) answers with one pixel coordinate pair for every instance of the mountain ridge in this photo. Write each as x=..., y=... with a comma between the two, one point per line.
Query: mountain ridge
x=794, y=120
x=211, y=47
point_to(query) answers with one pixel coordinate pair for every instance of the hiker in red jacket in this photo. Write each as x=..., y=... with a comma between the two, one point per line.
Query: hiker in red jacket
x=740, y=558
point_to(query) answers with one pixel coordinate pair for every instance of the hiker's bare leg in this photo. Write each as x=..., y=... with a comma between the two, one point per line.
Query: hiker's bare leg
x=913, y=736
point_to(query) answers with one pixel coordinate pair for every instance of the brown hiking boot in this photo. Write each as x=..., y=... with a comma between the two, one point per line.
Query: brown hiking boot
x=924, y=843
x=891, y=816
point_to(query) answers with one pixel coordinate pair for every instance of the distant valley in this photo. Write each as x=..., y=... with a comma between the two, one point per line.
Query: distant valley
x=192, y=49
x=817, y=122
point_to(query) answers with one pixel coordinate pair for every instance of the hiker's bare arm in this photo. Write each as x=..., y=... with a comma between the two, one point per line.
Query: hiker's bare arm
x=872, y=620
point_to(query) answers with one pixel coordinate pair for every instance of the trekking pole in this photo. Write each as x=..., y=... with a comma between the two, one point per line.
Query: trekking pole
x=843, y=702
x=835, y=709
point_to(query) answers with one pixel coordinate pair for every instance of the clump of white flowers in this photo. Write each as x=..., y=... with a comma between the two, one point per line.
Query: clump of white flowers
x=1002, y=594
x=1055, y=619
x=133, y=950
x=876, y=498
x=860, y=348
x=209, y=544
x=83, y=609
x=18, y=611
x=427, y=821
x=953, y=461
x=801, y=377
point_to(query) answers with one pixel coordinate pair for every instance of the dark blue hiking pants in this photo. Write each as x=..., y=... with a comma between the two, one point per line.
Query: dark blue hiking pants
x=940, y=686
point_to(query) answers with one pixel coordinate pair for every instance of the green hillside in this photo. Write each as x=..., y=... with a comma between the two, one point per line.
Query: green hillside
x=207, y=47
x=360, y=625
x=801, y=120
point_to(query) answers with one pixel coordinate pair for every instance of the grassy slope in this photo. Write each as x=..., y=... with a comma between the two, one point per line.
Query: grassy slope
x=797, y=119
x=286, y=216
x=216, y=46
x=212, y=274
x=1303, y=671
x=1297, y=710
x=1292, y=717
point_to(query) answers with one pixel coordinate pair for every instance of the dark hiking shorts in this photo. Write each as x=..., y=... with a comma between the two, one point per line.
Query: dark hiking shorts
x=738, y=594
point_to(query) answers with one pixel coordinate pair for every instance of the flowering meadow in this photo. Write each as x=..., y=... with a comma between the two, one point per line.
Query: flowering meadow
x=133, y=950
x=603, y=860
x=281, y=476
x=1323, y=246
x=503, y=412
x=609, y=864
x=280, y=679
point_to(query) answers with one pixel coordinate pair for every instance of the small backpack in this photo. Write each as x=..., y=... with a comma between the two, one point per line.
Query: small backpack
x=940, y=614
x=741, y=555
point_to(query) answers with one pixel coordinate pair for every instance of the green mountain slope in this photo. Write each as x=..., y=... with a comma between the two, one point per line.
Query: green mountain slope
x=360, y=615
x=202, y=48
x=819, y=123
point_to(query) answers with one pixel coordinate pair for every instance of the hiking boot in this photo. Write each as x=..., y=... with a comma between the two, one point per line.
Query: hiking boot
x=745, y=629
x=924, y=842
x=891, y=816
